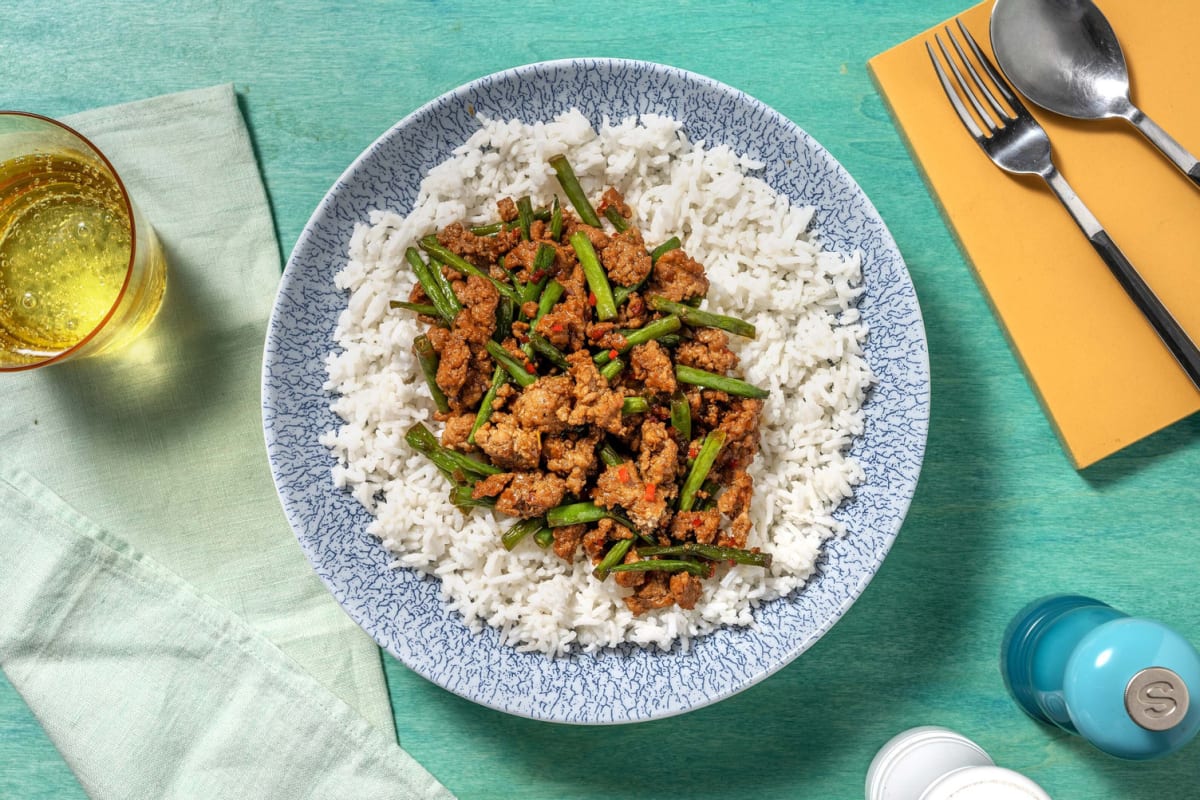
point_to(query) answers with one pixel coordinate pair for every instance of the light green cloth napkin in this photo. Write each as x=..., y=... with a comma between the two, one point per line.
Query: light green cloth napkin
x=162, y=442
x=150, y=690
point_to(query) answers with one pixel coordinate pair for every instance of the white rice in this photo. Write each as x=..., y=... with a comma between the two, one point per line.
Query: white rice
x=764, y=267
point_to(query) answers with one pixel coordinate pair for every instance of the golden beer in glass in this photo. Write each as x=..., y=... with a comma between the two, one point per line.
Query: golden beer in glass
x=81, y=272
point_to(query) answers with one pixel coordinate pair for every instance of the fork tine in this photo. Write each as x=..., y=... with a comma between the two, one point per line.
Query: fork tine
x=1001, y=111
x=987, y=121
x=952, y=96
x=992, y=72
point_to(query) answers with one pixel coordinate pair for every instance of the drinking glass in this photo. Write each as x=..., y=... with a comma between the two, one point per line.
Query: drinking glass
x=81, y=272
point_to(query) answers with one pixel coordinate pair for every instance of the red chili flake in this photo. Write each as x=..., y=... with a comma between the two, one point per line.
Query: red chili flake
x=696, y=522
x=537, y=276
x=557, y=327
x=649, y=492
x=693, y=451
x=530, y=368
x=623, y=474
x=595, y=333
x=591, y=298
x=613, y=354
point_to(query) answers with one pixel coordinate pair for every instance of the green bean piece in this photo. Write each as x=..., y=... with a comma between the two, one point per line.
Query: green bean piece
x=461, y=497
x=447, y=290
x=556, y=221
x=548, y=351
x=493, y=228
x=670, y=244
x=655, y=330
x=606, y=306
x=610, y=456
x=505, y=311
x=635, y=405
x=612, y=369
x=524, y=216
x=455, y=261
x=550, y=295
x=443, y=285
x=490, y=229
x=670, y=340
x=519, y=530
x=544, y=537
x=515, y=368
x=423, y=441
x=614, y=556
x=540, y=274
x=585, y=511
x=427, y=357
x=614, y=216
x=417, y=308
x=499, y=376
x=554, y=290
x=621, y=294
x=433, y=290
x=711, y=552
x=681, y=415
x=663, y=565
x=703, y=319
x=711, y=446
x=711, y=380
x=570, y=184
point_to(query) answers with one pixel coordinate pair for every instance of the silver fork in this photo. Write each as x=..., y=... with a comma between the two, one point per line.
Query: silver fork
x=1018, y=144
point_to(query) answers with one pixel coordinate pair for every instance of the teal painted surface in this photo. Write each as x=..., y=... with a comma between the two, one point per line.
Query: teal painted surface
x=999, y=518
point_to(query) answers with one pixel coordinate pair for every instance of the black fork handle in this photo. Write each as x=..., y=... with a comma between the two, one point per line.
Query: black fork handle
x=1165, y=325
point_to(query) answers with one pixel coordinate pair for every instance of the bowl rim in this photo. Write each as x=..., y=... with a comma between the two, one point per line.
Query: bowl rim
x=919, y=424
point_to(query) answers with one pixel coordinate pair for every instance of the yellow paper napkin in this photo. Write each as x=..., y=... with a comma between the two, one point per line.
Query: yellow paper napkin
x=1101, y=373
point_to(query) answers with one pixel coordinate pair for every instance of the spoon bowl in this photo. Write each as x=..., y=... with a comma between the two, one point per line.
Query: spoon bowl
x=1064, y=56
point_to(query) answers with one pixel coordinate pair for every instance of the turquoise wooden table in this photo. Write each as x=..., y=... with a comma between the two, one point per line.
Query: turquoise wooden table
x=999, y=517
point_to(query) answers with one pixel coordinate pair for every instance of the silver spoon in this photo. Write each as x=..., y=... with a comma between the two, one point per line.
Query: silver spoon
x=1064, y=56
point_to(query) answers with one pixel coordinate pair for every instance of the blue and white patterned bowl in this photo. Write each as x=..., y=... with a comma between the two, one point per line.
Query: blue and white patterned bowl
x=402, y=610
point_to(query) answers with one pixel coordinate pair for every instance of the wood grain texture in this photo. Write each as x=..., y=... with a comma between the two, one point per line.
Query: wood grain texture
x=999, y=517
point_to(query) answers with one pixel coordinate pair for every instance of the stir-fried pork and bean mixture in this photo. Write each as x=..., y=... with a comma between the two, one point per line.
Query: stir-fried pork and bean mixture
x=585, y=394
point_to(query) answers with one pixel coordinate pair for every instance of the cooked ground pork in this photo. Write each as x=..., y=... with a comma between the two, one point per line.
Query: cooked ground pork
x=508, y=445
x=595, y=402
x=625, y=259
x=651, y=364
x=458, y=428
x=531, y=494
x=677, y=277
x=708, y=350
x=573, y=459
x=654, y=592
x=621, y=487
x=545, y=405
x=479, y=250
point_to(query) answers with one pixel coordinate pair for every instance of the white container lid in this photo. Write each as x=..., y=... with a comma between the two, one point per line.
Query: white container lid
x=985, y=783
x=914, y=760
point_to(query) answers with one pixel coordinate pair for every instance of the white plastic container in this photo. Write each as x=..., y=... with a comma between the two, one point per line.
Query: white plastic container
x=932, y=763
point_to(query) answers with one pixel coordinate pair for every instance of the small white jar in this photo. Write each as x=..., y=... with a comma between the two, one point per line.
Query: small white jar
x=932, y=763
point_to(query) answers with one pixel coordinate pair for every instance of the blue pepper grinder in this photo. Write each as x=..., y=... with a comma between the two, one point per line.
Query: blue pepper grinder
x=1121, y=682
